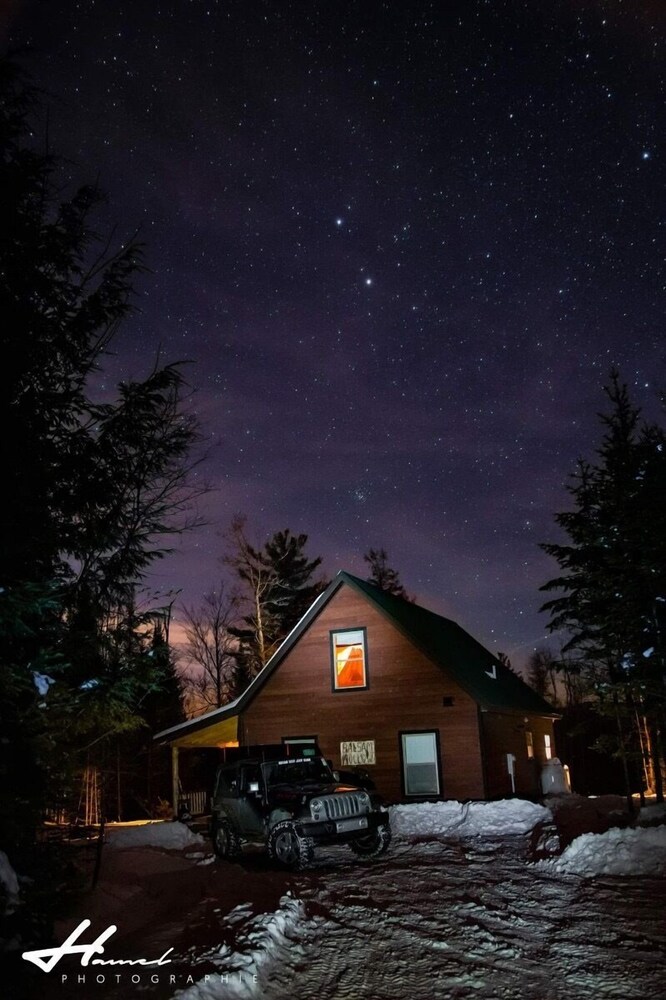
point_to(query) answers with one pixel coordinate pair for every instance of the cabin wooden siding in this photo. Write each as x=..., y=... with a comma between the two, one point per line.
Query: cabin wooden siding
x=406, y=693
x=505, y=732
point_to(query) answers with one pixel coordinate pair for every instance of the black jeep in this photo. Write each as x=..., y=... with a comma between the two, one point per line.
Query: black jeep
x=292, y=804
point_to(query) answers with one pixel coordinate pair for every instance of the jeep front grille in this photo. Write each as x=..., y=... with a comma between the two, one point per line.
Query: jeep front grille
x=342, y=806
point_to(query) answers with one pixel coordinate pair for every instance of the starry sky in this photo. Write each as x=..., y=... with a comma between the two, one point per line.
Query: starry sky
x=401, y=243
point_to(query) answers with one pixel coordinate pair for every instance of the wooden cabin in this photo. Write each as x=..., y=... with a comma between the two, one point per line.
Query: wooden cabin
x=386, y=685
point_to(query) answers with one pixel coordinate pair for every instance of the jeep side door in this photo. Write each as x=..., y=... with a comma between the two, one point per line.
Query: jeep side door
x=248, y=804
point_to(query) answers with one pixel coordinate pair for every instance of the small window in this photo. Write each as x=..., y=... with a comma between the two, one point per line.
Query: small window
x=349, y=660
x=547, y=747
x=447, y=701
x=300, y=746
x=250, y=774
x=529, y=740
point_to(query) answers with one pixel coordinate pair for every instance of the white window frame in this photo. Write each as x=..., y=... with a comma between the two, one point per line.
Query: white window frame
x=430, y=756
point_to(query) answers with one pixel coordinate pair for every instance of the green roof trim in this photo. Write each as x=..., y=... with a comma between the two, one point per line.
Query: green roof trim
x=471, y=665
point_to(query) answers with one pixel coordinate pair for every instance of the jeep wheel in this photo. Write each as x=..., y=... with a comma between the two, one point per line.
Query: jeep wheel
x=373, y=844
x=225, y=842
x=287, y=848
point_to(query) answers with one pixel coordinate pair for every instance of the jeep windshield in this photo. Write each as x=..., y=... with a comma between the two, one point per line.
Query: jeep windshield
x=297, y=771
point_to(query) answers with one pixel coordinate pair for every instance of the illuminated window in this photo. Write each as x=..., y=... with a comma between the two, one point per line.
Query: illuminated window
x=530, y=743
x=349, y=660
x=547, y=747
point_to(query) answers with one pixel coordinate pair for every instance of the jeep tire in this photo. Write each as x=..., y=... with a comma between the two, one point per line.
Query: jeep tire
x=225, y=840
x=373, y=844
x=289, y=849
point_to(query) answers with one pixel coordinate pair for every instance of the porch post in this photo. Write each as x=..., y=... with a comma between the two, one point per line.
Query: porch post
x=175, y=781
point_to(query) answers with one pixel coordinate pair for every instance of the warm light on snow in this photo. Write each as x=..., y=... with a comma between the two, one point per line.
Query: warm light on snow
x=169, y=835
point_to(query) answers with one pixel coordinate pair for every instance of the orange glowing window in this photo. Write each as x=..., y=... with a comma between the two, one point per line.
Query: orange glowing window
x=349, y=660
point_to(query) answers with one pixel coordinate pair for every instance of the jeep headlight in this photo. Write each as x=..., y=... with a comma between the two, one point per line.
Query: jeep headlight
x=316, y=808
x=364, y=800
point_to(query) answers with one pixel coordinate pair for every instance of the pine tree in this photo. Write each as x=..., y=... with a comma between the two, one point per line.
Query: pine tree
x=542, y=670
x=384, y=576
x=93, y=490
x=295, y=586
x=614, y=574
x=277, y=587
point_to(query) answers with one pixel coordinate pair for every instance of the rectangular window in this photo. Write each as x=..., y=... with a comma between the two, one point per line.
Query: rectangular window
x=420, y=763
x=350, y=661
x=529, y=739
x=300, y=746
x=547, y=747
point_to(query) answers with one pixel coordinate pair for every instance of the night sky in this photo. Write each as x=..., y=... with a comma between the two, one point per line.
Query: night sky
x=402, y=245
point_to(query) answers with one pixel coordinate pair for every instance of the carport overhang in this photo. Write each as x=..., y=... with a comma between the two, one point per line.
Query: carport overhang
x=221, y=733
x=217, y=729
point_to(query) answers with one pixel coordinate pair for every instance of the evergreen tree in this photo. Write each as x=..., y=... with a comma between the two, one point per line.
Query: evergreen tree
x=276, y=586
x=614, y=575
x=382, y=575
x=140, y=773
x=295, y=587
x=93, y=489
x=542, y=668
x=505, y=660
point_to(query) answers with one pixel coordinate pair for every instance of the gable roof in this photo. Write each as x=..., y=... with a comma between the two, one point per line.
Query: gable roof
x=482, y=675
x=492, y=685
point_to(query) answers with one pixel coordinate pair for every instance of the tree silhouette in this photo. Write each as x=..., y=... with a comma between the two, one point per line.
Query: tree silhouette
x=613, y=578
x=94, y=491
x=276, y=585
x=382, y=575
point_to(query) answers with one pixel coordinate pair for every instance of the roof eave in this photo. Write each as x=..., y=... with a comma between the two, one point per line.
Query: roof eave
x=234, y=707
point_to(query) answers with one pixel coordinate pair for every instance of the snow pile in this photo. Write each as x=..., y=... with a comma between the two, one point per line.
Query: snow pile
x=9, y=887
x=266, y=942
x=469, y=819
x=655, y=813
x=640, y=851
x=167, y=834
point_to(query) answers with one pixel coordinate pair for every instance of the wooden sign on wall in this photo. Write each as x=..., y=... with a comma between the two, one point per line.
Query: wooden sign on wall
x=357, y=753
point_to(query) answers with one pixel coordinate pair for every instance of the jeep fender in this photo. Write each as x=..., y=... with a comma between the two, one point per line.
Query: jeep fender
x=277, y=816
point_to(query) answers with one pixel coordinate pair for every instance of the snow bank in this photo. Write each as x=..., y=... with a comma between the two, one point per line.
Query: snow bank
x=655, y=813
x=640, y=851
x=263, y=944
x=167, y=834
x=469, y=819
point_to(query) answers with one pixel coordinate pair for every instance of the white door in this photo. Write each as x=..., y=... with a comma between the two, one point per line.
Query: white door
x=421, y=770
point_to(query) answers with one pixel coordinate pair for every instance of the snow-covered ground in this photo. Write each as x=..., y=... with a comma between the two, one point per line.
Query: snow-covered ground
x=456, y=909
